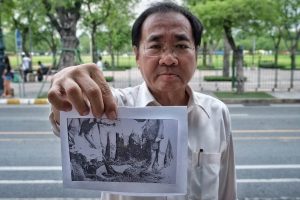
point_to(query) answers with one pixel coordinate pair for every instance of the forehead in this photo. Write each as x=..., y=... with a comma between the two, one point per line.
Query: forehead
x=166, y=25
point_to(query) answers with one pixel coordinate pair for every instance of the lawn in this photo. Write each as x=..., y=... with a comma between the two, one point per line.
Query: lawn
x=130, y=60
x=245, y=95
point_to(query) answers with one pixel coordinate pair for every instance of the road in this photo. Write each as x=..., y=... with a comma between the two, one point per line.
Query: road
x=266, y=137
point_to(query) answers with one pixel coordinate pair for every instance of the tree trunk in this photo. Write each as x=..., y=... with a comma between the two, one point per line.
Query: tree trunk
x=240, y=70
x=65, y=24
x=94, y=47
x=204, y=53
x=226, y=57
x=210, y=53
x=69, y=46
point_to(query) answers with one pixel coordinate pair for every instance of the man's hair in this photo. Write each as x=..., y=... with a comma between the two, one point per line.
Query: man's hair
x=165, y=7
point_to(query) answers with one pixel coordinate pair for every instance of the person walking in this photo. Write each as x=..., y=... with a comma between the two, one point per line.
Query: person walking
x=7, y=78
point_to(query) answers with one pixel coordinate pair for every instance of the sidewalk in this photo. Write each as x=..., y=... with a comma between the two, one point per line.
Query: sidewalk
x=32, y=90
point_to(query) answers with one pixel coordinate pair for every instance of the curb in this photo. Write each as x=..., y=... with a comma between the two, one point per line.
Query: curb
x=15, y=101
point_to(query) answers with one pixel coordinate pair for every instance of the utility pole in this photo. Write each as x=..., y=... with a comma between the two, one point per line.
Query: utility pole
x=2, y=48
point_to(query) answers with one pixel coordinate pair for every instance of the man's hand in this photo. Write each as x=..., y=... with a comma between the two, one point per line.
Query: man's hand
x=83, y=87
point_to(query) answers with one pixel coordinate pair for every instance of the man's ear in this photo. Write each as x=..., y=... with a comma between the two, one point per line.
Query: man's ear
x=136, y=53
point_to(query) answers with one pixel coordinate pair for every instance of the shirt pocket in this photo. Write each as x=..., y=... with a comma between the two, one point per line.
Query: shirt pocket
x=205, y=176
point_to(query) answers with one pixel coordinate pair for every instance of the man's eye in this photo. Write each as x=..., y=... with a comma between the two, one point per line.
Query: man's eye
x=154, y=46
x=182, y=46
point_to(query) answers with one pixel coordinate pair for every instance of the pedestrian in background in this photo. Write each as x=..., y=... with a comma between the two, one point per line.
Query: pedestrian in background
x=7, y=78
x=99, y=63
x=26, y=66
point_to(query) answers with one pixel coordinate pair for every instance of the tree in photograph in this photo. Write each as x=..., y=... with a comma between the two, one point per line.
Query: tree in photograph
x=64, y=16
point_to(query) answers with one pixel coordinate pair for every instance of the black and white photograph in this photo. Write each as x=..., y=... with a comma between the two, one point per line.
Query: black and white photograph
x=139, y=150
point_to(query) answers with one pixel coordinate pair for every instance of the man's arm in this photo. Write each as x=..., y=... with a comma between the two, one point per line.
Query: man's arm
x=83, y=87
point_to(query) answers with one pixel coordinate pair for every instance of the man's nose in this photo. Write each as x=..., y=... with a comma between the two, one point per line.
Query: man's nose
x=168, y=58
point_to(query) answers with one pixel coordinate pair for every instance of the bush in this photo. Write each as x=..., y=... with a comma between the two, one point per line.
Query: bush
x=220, y=78
x=117, y=68
x=109, y=78
x=270, y=65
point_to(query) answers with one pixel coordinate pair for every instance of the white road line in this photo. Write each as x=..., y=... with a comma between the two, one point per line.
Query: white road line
x=267, y=166
x=51, y=198
x=30, y=168
x=239, y=115
x=268, y=138
x=23, y=182
x=273, y=180
x=18, y=182
x=268, y=131
x=59, y=168
x=25, y=133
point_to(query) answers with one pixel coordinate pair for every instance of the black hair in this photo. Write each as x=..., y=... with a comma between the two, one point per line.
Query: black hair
x=164, y=7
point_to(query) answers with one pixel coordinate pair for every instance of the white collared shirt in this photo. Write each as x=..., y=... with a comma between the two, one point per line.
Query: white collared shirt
x=213, y=176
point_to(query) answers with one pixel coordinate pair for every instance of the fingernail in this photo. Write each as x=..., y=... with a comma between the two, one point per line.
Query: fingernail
x=112, y=115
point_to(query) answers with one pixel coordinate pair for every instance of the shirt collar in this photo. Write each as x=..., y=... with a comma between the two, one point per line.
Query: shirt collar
x=145, y=98
x=196, y=100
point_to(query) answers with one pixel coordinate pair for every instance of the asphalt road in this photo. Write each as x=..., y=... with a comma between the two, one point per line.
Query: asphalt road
x=267, y=146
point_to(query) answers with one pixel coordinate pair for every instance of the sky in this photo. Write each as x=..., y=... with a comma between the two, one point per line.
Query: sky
x=145, y=3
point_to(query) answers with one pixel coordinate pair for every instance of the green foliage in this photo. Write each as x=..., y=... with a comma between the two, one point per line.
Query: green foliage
x=220, y=78
x=245, y=95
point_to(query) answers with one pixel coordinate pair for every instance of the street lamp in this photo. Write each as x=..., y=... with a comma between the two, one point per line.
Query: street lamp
x=2, y=48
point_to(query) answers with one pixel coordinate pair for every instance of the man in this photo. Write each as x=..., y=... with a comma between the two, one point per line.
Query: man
x=26, y=65
x=165, y=40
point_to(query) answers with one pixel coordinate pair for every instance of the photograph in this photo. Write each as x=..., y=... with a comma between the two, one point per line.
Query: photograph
x=124, y=150
x=142, y=152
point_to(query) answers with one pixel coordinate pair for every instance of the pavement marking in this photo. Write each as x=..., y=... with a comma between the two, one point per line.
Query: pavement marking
x=53, y=198
x=28, y=139
x=23, y=182
x=18, y=182
x=239, y=115
x=273, y=180
x=30, y=168
x=268, y=131
x=239, y=167
x=59, y=168
x=25, y=133
x=268, y=138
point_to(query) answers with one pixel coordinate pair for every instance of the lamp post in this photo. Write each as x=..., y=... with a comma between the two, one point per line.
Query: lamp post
x=2, y=48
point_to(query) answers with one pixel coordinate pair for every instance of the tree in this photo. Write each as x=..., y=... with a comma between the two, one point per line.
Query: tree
x=291, y=20
x=96, y=13
x=64, y=16
x=232, y=15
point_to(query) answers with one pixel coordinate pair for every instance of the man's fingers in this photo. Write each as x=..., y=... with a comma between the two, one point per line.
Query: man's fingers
x=75, y=96
x=92, y=93
x=110, y=106
x=57, y=97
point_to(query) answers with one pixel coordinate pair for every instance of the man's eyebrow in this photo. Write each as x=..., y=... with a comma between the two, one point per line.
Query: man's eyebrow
x=154, y=38
x=182, y=37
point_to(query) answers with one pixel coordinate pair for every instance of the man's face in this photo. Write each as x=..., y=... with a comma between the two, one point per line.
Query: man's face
x=172, y=68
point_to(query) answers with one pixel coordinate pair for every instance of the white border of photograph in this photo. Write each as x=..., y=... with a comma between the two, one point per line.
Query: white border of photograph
x=178, y=113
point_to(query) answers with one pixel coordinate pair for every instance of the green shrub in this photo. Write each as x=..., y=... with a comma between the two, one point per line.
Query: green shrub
x=270, y=65
x=220, y=78
x=109, y=78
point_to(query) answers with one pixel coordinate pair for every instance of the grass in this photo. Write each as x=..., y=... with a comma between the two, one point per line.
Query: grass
x=245, y=95
x=217, y=60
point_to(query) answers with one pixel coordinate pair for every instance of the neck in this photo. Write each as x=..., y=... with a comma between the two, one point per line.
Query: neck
x=172, y=98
